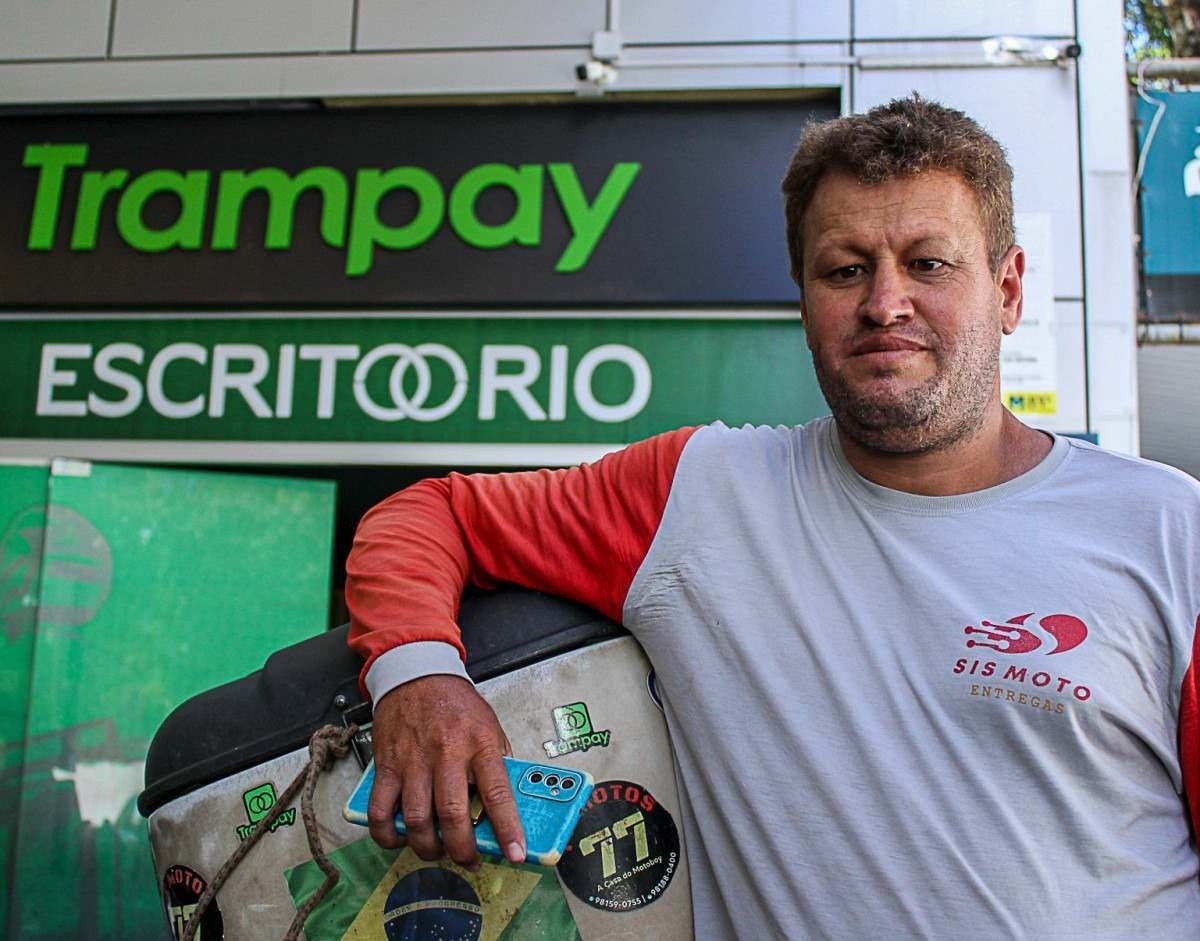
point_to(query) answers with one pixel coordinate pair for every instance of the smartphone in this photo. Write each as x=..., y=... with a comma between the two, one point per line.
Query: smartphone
x=549, y=801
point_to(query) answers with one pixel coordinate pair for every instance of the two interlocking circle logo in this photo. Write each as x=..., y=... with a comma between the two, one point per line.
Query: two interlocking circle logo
x=259, y=801
x=74, y=562
x=572, y=720
x=404, y=404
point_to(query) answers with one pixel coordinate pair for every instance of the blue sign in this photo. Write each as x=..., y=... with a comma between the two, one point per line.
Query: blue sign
x=1170, y=188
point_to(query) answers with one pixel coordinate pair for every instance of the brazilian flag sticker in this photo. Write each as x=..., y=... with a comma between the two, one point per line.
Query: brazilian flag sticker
x=389, y=896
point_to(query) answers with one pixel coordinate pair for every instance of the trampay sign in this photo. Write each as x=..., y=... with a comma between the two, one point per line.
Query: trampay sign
x=556, y=205
x=350, y=220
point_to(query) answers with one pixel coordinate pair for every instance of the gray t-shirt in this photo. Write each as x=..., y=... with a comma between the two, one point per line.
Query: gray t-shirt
x=943, y=717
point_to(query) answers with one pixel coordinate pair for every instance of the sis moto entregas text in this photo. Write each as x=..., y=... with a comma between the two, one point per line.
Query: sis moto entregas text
x=549, y=801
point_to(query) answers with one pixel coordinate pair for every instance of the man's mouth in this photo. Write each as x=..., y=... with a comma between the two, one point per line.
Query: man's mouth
x=886, y=348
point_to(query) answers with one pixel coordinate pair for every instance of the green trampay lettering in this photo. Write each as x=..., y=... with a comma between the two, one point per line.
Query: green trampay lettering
x=588, y=222
x=348, y=220
x=52, y=161
x=524, y=227
x=282, y=192
x=187, y=231
x=366, y=228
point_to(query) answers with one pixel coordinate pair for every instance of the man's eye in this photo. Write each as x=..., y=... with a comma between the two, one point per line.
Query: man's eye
x=928, y=264
x=846, y=272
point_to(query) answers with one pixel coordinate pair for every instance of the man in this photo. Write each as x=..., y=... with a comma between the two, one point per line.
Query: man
x=927, y=671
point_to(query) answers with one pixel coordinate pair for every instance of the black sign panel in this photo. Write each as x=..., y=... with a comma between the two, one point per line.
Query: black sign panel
x=552, y=205
x=1172, y=298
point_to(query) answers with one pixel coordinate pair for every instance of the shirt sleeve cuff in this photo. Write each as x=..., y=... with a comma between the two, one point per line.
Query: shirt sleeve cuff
x=410, y=662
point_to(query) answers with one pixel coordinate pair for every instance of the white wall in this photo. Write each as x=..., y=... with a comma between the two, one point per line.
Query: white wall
x=1170, y=427
x=56, y=51
x=83, y=51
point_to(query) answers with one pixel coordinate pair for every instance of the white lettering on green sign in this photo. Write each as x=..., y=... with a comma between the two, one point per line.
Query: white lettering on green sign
x=213, y=377
x=350, y=218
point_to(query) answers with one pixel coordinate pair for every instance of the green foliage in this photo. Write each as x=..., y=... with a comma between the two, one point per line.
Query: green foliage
x=1162, y=29
x=1147, y=31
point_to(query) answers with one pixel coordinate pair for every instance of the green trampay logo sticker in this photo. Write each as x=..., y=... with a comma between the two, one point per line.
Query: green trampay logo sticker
x=258, y=802
x=575, y=732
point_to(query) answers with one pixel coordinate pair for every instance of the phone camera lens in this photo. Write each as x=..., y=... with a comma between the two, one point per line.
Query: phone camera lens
x=568, y=783
x=535, y=777
x=552, y=781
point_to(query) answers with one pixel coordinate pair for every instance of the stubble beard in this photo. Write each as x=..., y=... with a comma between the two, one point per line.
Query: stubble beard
x=949, y=407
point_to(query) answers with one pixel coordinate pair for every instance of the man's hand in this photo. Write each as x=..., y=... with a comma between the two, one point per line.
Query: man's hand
x=431, y=736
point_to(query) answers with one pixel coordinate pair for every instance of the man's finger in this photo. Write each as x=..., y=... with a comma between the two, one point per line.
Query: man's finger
x=491, y=783
x=416, y=804
x=381, y=808
x=453, y=803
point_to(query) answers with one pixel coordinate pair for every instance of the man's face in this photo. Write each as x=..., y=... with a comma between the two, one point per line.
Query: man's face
x=902, y=313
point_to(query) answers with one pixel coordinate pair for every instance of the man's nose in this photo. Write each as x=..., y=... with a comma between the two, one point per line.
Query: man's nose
x=887, y=300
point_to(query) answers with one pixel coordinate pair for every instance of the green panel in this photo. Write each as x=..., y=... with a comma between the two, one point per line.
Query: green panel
x=600, y=380
x=22, y=521
x=156, y=585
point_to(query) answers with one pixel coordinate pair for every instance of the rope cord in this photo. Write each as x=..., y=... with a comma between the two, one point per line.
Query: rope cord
x=1161, y=106
x=327, y=740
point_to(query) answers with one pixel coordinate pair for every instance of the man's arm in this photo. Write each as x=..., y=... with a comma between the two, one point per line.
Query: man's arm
x=581, y=533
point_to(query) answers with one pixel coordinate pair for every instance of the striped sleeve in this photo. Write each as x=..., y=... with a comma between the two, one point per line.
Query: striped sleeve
x=579, y=532
x=1189, y=733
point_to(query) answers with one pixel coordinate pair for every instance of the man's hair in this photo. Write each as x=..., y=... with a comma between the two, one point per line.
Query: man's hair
x=905, y=137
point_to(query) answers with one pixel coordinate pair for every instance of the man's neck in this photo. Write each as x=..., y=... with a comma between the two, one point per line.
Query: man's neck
x=1002, y=449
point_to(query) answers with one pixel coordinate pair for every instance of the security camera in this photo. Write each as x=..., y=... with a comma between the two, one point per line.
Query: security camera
x=596, y=72
x=1012, y=50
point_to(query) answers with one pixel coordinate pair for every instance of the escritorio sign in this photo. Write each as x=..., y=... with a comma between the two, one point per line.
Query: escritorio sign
x=361, y=379
x=240, y=371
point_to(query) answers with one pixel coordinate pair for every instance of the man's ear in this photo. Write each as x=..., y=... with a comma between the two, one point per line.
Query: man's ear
x=804, y=319
x=1009, y=273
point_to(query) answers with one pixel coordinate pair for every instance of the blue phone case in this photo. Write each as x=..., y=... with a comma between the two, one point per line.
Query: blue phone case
x=549, y=801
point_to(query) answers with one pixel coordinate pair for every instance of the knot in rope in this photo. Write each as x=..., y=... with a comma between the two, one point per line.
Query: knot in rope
x=326, y=741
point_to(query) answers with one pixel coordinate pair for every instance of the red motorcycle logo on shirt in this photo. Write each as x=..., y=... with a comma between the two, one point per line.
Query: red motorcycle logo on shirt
x=1015, y=637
